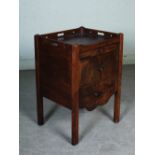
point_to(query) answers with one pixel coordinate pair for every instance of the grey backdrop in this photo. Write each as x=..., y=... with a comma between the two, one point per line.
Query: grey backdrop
x=40, y=16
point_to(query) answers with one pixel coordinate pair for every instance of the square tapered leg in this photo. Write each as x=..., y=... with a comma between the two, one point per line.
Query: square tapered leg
x=40, y=111
x=75, y=126
x=117, y=107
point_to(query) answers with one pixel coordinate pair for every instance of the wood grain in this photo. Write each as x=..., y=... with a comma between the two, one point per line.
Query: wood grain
x=78, y=68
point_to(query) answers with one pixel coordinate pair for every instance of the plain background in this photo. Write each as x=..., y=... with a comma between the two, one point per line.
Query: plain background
x=41, y=16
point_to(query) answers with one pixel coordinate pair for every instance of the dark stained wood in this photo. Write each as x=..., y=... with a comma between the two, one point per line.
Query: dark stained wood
x=55, y=76
x=78, y=68
x=96, y=51
x=118, y=82
x=40, y=113
x=96, y=69
x=75, y=81
x=93, y=95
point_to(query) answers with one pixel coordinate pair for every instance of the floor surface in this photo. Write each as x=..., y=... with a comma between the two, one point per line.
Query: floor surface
x=99, y=135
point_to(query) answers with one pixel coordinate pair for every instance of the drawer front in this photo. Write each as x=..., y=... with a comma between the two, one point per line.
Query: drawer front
x=92, y=96
x=98, y=76
x=97, y=51
x=100, y=68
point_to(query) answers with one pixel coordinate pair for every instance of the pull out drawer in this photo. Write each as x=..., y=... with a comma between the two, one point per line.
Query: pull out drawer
x=91, y=96
x=97, y=51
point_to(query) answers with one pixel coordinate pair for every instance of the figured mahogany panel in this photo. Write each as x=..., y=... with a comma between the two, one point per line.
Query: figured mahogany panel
x=93, y=95
x=99, y=67
x=98, y=75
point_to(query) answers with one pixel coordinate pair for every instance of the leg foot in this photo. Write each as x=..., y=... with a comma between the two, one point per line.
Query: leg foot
x=75, y=123
x=40, y=113
x=117, y=107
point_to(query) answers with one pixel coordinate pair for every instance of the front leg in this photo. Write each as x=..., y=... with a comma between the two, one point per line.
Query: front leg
x=117, y=107
x=75, y=124
x=75, y=83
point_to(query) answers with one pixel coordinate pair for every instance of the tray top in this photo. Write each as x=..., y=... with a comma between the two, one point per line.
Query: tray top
x=83, y=40
x=81, y=36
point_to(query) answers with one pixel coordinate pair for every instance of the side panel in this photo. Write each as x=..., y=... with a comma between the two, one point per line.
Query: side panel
x=55, y=72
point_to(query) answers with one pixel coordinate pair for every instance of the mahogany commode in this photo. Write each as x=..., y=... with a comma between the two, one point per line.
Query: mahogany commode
x=78, y=68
